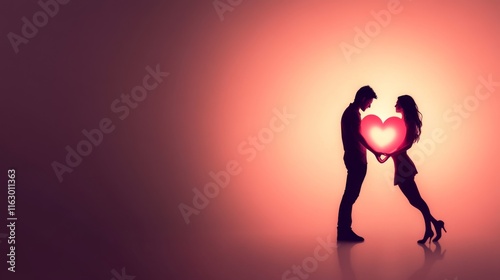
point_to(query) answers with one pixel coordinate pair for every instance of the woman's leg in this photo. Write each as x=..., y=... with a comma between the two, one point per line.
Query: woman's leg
x=410, y=190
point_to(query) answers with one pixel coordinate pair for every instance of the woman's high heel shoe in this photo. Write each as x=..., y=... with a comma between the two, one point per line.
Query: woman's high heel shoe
x=438, y=226
x=428, y=235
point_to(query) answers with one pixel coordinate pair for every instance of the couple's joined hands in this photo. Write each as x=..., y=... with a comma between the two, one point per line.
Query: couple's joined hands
x=381, y=157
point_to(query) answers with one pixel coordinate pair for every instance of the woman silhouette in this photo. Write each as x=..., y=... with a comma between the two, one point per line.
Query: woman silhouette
x=405, y=169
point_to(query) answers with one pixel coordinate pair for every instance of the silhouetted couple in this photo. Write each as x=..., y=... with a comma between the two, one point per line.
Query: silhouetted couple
x=355, y=147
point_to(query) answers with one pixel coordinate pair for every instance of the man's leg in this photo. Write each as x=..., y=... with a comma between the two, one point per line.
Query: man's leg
x=355, y=175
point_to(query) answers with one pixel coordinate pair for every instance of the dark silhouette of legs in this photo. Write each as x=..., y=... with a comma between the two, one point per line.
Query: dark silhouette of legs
x=410, y=190
x=355, y=175
x=439, y=225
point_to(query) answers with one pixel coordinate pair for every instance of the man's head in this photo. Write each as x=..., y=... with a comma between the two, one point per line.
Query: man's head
x=364, y=97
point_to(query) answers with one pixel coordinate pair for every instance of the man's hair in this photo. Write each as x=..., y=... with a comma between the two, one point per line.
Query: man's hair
x=365, y=92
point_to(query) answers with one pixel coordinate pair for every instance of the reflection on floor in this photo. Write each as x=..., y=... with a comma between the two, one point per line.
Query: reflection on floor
x=379, y=257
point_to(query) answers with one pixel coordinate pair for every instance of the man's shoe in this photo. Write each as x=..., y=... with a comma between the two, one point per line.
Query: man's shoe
x=348, y=236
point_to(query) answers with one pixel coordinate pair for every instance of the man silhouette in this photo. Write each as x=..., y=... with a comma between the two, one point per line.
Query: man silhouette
x=355, y=161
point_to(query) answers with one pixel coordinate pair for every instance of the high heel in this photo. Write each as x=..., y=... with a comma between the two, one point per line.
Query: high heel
x=438, y=226
x=428, y=235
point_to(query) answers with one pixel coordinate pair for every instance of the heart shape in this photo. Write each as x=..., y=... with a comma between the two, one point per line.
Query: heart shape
x=383, y=137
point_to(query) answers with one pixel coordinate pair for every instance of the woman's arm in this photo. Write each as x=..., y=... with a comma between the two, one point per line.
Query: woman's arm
x=407, y=143
x=405, y=146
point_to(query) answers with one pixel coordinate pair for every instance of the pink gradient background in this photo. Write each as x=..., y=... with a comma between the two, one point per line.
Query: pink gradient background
x=120, y=207
x=290, y=57
x=286, y=53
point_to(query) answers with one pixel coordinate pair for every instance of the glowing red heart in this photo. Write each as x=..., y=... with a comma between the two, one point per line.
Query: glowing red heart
x=383, y=137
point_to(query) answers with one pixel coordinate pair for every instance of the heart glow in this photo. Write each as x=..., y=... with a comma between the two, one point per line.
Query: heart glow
x=383, y=137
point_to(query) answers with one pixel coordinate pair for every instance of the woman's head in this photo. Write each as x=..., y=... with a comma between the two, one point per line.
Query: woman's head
x=412, y=116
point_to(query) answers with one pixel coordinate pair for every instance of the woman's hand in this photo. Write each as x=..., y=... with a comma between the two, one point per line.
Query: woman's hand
x=380, y=159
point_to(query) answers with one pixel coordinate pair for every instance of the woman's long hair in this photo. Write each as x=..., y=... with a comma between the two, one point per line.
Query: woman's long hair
x=412, y=116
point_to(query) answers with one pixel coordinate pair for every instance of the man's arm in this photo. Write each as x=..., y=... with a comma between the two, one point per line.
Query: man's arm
x=363, y=142
x=355, y=130
x=352, y=122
